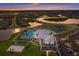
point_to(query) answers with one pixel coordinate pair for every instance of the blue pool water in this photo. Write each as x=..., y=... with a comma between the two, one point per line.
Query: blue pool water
x=27, y=34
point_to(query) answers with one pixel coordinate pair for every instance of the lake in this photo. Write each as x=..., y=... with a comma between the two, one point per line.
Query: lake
x=6, y=34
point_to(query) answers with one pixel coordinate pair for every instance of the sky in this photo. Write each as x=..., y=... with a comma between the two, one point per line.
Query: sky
x=39, y=6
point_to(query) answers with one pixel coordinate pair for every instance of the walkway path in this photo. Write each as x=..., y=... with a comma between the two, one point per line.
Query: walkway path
x=69, y=21
x=57, y=47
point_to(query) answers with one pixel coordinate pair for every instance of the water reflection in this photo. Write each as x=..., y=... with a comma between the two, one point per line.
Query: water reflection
x=6, y=34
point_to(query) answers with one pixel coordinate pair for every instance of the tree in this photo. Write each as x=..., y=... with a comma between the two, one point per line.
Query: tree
x=57, y=19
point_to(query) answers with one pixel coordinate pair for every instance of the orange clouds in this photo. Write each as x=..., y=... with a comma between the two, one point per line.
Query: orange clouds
x=34, y=6
x=54, y=6
x=12, y=9
x=9, y=8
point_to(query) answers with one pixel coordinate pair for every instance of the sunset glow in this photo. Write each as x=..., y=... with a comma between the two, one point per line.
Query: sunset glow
x=39, y=6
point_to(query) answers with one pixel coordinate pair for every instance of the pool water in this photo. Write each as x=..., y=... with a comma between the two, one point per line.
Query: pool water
x=29, y=34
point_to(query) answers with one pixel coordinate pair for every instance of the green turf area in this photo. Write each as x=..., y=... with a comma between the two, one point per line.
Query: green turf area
x=57, y=27
x=32, y=50
x=3, y=46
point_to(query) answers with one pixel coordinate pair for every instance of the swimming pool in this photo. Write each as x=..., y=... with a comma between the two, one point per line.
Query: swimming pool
x=29, y=34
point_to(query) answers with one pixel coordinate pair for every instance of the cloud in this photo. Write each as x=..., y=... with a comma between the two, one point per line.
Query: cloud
x=45, y=7
x=54, y=6
x=9, y=8
x=34, y=6
x=39, y=6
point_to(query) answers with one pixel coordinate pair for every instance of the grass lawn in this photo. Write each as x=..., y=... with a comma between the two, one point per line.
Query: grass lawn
x=3, y=46
x=32, y=50
x=57, y=27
